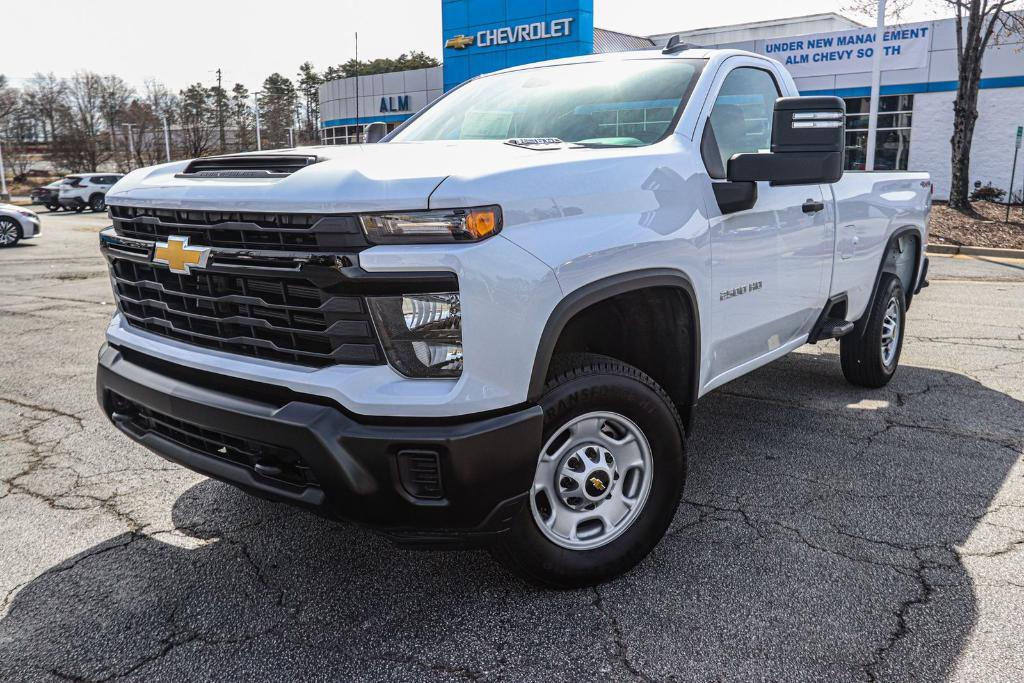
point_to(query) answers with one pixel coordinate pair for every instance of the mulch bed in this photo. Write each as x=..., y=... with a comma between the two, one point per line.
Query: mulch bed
x=986, y=230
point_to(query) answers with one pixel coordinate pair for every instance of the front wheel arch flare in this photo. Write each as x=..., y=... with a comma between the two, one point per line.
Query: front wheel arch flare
x=683, y=389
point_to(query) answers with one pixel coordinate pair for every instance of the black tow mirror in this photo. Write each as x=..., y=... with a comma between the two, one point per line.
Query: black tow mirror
x=375, y=131
x=808, y=139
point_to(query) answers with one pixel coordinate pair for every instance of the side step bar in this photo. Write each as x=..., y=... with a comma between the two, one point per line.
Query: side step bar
x=832, y=323
x=834, y=329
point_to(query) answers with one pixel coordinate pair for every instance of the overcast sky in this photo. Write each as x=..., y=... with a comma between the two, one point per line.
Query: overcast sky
x=185, y=41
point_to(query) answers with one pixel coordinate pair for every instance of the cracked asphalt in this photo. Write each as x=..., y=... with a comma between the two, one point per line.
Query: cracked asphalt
x=827, y=532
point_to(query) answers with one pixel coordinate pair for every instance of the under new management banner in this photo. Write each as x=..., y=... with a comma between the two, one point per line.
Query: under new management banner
x=904, y=47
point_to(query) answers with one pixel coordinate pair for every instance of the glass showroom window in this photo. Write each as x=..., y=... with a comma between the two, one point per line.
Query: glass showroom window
x=349, y=135
x=892, y=144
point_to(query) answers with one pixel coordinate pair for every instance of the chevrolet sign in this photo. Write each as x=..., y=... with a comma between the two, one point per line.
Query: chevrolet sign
x=538, y=30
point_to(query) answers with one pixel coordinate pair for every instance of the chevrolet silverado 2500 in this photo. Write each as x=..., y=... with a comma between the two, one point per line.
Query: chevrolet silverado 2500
x=493, y=326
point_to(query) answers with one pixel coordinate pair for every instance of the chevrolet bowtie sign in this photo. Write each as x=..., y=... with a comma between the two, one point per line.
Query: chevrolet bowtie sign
x=459, y=42
x=539, y=30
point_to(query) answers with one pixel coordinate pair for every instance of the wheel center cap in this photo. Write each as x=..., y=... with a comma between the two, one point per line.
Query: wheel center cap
x=586, y=477
x=597, y=484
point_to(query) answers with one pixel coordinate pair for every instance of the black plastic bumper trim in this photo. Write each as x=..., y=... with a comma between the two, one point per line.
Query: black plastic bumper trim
x=486, y=464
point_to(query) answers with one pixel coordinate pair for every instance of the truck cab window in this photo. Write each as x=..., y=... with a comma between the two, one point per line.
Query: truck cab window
x=741, y=120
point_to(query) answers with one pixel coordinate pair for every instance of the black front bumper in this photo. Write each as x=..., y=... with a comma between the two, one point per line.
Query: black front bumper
x=419, y=481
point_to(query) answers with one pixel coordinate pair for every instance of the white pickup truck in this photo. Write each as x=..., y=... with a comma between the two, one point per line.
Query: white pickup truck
x=492, y=327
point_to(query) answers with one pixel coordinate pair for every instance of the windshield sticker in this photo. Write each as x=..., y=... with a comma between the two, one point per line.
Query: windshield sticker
x=535, y=143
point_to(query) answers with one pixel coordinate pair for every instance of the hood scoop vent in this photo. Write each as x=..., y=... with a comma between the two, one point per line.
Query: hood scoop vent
x=247, y=166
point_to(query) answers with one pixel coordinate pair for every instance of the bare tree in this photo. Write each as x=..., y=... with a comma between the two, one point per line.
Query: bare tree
x=164, y=106
x=19, y=130
x=47, y=96
x=79, y=144
x=115, y=96
x=979, y=25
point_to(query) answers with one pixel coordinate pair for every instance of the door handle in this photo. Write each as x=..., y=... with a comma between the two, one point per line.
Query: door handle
x=811, y=206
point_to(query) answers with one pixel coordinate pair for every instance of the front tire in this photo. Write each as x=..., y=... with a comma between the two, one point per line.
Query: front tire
x=609, y=476
x=10, y=232
x=871, y=359
x=97, y=203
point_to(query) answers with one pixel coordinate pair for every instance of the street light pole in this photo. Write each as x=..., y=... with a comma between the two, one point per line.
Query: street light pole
x=259, y=143
x=876, y=86
x=167, y=139
x=3, y=176
x=131, y=144
x=291, y=136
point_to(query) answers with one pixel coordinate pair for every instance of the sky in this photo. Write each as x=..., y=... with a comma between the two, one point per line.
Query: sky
x=186, y=41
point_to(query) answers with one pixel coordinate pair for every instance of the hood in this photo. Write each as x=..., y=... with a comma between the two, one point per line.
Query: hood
x=394, y=176
x=345, y=179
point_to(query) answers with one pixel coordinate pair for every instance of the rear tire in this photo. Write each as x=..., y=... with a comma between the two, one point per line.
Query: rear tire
x=10, y=232
x=609, y=477
x=871, y=359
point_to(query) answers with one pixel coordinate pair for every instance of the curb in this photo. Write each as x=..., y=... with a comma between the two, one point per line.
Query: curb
x=953, y=250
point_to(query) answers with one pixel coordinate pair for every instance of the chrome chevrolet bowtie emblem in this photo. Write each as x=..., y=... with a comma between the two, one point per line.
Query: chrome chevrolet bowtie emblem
x=178, y=256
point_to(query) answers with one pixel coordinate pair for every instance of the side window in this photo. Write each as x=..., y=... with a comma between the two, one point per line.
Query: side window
x=741, y=120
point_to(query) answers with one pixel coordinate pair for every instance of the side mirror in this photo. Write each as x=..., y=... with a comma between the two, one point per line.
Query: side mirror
x=375, y=131
x=808, y=140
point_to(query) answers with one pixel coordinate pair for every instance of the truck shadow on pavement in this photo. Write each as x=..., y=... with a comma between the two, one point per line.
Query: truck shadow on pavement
x=824, y=535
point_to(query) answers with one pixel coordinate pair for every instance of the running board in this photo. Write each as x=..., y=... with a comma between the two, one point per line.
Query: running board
x=834, y=329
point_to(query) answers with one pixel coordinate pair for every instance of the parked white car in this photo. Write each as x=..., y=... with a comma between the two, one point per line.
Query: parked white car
x=16, y=224
x=493, y=327
x=86, y=190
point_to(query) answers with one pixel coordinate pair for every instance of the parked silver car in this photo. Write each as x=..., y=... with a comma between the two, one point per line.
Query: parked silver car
x=17, y=224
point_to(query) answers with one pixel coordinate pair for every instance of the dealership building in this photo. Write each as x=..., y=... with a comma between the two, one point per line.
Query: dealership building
x=827, y=54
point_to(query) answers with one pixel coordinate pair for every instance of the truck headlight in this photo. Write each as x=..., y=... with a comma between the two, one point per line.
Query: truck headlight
x=421, y=333
x=426, y=227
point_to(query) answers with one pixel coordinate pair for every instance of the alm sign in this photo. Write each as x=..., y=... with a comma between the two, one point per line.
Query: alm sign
x=904, y=47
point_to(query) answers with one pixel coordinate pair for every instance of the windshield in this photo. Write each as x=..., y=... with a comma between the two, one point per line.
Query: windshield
x=622, y=104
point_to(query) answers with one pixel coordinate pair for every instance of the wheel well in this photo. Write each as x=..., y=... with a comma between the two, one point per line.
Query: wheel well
x=94, y=195
x=902, y=258
x=652, y=329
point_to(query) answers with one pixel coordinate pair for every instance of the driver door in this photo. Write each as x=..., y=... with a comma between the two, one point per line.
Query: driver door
x=768, y=268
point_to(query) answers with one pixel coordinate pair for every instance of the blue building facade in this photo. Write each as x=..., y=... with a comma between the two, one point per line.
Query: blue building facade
x=481, y=36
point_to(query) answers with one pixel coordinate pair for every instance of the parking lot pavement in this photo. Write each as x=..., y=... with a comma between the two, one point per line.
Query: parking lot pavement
x=827, y=532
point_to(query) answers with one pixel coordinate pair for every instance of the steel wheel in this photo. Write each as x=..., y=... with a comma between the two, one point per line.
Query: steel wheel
x=890, y=331
x=593, y=478
x=8, y=232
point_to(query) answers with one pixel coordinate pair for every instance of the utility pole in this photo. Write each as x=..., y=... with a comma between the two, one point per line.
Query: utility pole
x=220, y=113
x=358, y=136
x=1013, y=172
x=167, y=139
x=131, y=144
x=291, y=136
x=259, y=143
x=876, y=85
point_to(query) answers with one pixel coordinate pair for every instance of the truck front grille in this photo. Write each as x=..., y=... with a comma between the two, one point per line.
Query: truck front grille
x=288, y=319
x=242, y=229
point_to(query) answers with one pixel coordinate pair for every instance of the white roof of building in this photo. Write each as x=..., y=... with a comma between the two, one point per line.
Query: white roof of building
x=616, y=41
